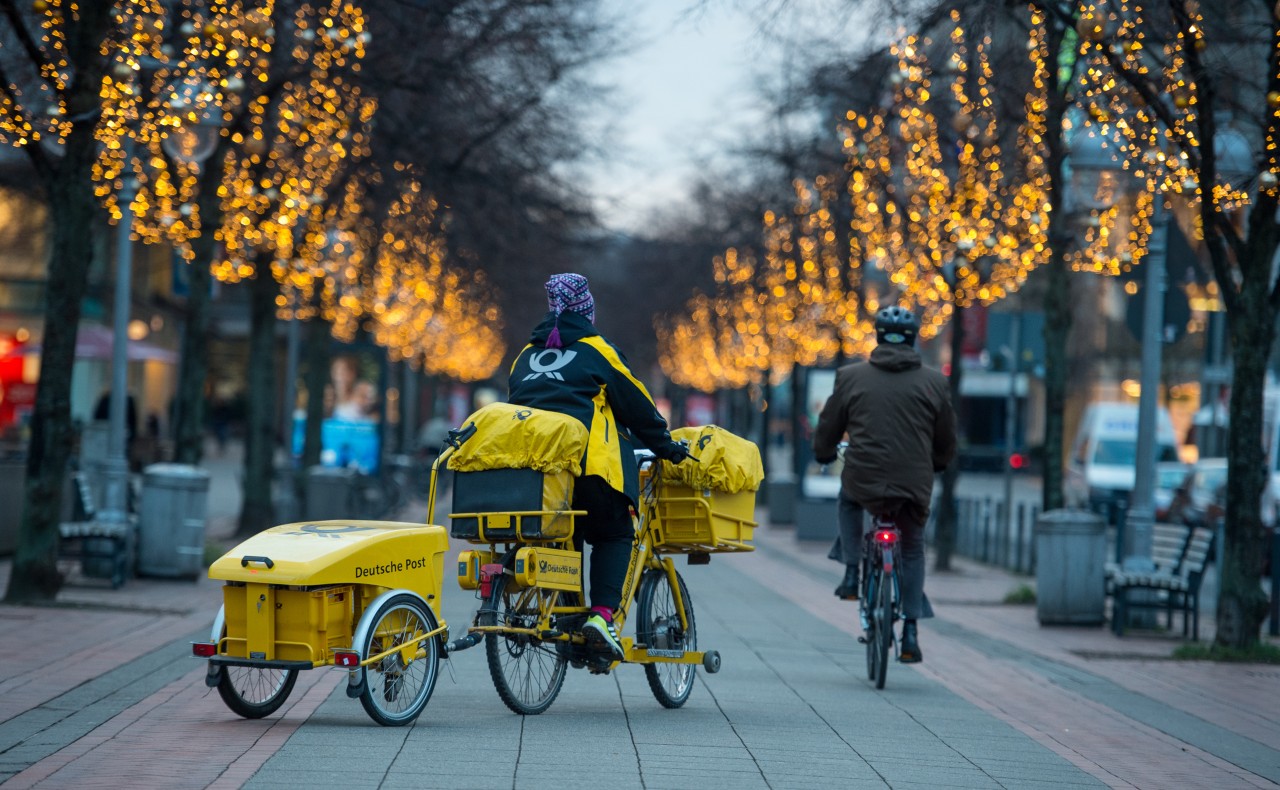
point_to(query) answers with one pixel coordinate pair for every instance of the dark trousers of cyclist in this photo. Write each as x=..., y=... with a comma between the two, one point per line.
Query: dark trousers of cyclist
x=850, y=518
x=609, y=529
x=911, y=522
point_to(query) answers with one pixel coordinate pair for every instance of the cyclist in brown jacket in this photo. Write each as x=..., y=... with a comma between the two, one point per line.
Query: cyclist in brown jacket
x=902, y=430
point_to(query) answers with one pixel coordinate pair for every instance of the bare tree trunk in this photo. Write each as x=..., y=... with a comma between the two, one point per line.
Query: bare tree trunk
x=259, y=450
x=68, y=185
x=72, y=206
x=1057, y=299
x=1242, y=606
x=944, y=534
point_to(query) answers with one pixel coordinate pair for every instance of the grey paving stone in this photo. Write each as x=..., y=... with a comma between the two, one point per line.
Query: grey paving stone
x=439, y=781
x=272, y=779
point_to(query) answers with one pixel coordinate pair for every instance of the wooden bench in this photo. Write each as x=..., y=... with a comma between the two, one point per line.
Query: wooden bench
x=1168, y=544
x=105, y=551
x=1180, y=553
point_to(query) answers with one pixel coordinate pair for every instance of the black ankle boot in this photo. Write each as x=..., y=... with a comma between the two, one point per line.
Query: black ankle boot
x=848, y=588
x=910, y=653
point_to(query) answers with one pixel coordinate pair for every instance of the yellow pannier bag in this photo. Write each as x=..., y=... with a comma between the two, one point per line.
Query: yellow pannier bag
x=513, y=478
x=518, y=437
x=725, y=462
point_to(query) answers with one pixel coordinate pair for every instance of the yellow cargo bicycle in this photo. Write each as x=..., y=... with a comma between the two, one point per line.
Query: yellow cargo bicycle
x=529, y=575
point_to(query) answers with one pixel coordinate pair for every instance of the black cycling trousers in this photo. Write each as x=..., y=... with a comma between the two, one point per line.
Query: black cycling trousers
x=610, y=531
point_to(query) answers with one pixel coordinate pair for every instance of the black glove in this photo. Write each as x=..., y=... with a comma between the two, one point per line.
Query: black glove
x=826, y=461
x=673, y=452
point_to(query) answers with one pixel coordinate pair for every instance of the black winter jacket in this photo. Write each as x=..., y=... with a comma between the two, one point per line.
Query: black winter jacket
x=900, y=423
x=589, y=379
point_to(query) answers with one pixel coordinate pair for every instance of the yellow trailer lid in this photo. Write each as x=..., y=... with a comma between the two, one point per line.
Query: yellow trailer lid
x=308, y=553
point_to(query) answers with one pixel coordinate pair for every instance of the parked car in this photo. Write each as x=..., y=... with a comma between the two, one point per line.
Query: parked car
x=1169, y=476
x=1201, y=499
x=1100, y=469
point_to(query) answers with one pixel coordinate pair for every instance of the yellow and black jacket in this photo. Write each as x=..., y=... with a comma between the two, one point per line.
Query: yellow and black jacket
x=589, y=379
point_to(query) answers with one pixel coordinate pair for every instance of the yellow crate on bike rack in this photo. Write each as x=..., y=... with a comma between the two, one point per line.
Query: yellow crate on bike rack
x=704, y=520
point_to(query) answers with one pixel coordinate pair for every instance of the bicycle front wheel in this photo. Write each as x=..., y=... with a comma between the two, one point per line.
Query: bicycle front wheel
x=884, y=626
x=526, y=671
x=397, y=686
x=659, y=628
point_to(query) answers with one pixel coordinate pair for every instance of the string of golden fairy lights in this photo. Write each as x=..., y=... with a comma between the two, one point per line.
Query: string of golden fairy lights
x=1159, y=148
x=915, y=213
x=909, y=219
x=280, y=88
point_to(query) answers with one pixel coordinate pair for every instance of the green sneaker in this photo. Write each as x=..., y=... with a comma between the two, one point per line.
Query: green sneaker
x=601, y=636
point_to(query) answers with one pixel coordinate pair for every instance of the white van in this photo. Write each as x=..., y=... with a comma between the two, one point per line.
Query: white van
x=1104, y=457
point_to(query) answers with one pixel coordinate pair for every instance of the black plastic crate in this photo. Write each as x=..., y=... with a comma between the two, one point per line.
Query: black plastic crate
x=496, y=491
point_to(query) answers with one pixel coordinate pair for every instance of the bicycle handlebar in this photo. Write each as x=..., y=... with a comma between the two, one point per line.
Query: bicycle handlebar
x=456, y=438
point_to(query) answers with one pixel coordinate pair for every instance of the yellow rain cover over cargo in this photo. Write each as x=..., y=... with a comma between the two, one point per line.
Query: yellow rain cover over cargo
x=518, y=437
x=726, y=462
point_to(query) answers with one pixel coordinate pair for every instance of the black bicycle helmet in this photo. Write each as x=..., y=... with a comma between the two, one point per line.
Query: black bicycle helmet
x=896, y=324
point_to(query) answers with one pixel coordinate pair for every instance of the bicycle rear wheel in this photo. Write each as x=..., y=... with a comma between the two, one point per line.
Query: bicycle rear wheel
x=527, y=672
x=884, y=625
x=659, y=628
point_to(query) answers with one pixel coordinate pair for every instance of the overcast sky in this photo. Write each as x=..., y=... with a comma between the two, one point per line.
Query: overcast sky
x=676, y=93
x=688, y=87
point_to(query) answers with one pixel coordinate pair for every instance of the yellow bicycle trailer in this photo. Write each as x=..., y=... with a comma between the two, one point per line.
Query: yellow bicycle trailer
x=363, y=596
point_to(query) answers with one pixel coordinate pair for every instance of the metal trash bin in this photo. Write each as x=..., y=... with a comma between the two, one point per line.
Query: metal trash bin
x=781, y=490
x=328, y=493
x=1071, y=548
x=817, y=518
x=171, y=521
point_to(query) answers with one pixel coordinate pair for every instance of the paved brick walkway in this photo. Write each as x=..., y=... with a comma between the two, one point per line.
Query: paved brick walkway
x=100, y=691
x=1114, y=706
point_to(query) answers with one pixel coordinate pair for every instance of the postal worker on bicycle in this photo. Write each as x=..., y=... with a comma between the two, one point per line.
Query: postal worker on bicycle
x=901, y=431
x=569, y=367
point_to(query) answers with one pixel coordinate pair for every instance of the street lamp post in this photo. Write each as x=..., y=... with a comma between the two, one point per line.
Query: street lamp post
x=115, y=469
x=1097, y=180
x=1097, y=170
x=193, y=143
x=1141, y=515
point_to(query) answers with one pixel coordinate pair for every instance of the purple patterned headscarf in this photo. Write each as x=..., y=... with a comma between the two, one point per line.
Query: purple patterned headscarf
x=568, y=292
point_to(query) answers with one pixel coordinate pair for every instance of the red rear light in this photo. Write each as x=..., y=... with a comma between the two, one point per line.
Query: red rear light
x=1017, y=461
x=487, y=574
x=204, y=649
x=886, y=536
x=346, y=658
